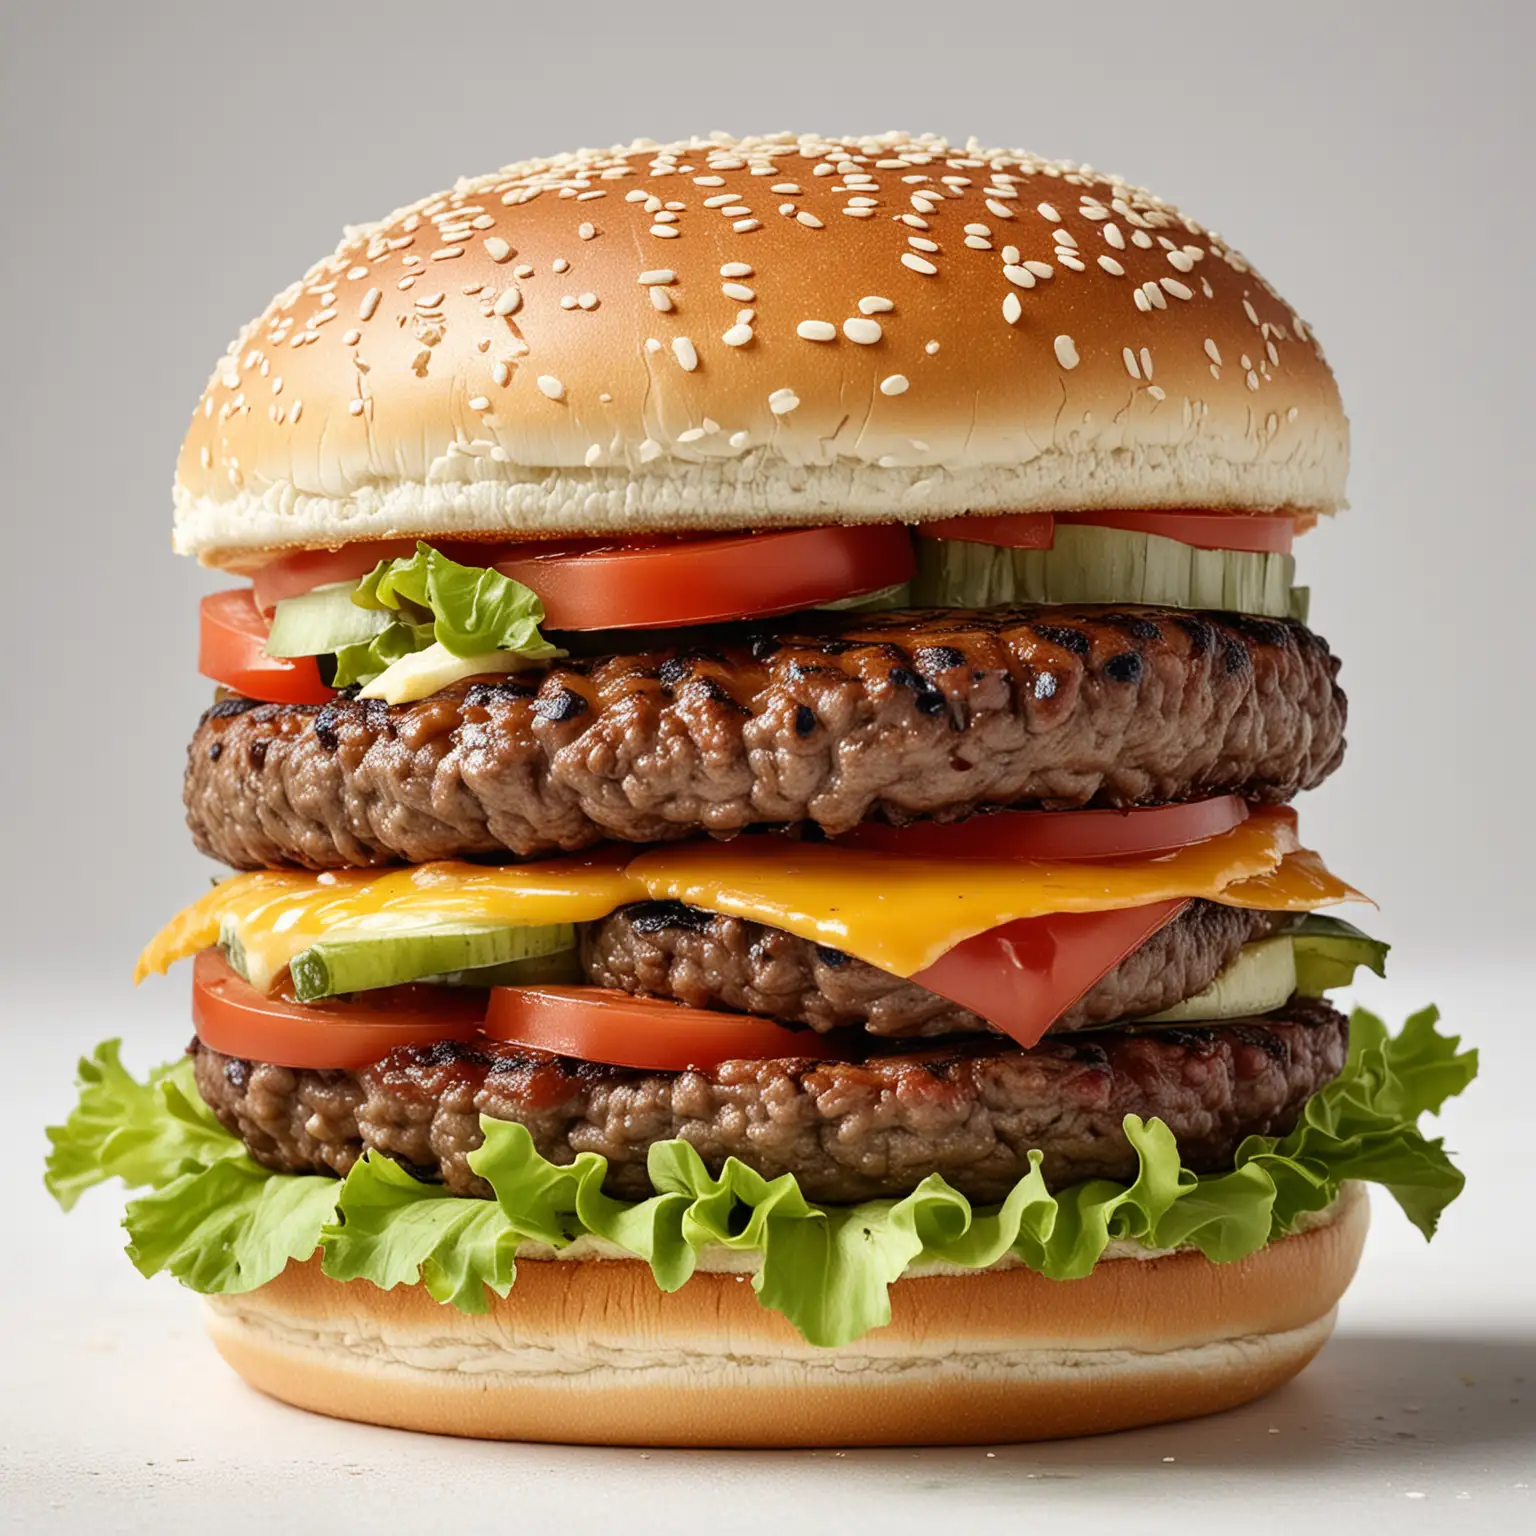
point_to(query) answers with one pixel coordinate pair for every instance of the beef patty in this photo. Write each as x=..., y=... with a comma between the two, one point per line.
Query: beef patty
x=932, y=713
x=664, y=949
x=847, y=1130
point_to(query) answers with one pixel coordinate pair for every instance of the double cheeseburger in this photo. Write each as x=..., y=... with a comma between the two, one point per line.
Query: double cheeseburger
x=756, y=715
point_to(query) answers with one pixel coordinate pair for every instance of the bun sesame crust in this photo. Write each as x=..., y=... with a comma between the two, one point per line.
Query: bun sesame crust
x=590, y=1351
x=732, y=333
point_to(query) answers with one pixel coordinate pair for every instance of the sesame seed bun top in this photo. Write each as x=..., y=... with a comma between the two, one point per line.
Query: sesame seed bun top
x=736, y=333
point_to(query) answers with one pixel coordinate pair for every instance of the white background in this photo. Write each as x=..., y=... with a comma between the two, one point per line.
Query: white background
x=166, y=167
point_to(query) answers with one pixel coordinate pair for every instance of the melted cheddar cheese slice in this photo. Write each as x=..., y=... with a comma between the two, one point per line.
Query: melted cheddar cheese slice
x=894, y=911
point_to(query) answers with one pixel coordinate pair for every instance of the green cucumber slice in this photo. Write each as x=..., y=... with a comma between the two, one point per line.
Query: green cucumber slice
x=319, y=623
x=1104, y=565
x=1328, y=952
x=360, y=961
x=1261, y=976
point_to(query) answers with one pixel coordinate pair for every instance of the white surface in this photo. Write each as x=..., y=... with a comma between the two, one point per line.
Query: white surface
x=117, y=1415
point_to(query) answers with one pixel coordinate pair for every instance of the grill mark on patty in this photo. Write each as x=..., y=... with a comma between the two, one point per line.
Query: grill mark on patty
x=849, y=1130
x=1062, y=707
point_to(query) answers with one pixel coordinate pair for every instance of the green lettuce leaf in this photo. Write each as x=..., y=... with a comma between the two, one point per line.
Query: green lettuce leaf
x=472, y=608
x=364, y=660
x=221, y=1223
x=229, y=1227
x=145, y=1134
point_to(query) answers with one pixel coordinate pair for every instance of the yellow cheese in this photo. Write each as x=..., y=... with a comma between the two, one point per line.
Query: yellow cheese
x=895, y=911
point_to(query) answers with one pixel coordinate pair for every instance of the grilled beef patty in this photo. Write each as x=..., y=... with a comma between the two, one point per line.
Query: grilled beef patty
x=932, y=713
x=848, y=1131
x=665, y=949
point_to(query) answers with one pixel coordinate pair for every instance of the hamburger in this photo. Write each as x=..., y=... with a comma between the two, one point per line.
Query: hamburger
x=755, y=724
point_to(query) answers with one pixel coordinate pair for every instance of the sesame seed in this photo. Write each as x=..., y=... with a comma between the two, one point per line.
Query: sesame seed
x=1012, y=308
x=500, y=372
x=1011, y=254
x=560, y=264
x=739, y=440
x=1113, y=236
x=931, y=348
x=1132, y=367
x=809, y=220
x=1040, y=268
x=657, y=275
x=738, y=335
x=1157, y=391
x=668, y=216
x=1176, y=288
x=736, y=269
x=369, y=304
x=593, y=455
x=447, y=253
x=709, y=181
x=354, y=407
x=1111, y=266
x=479, y=403
x=686, y=353
x=865, y=332
x=1046, y=211
x=1002, y=210
x=724, y=200
x=660, y=299
x=1251, y=312
x=978, y=229
x=738, y=291
x=873, y=304
x=649, y=450
x=551, y=386
x=782, y=401
x=894, y=384
x=912, y=221
x=349, y=339
x=746, y=226
x=1146, y=362
x=508, y=301
x=587, y=300
x=1070, y=262
x=665, y=231
x=816, y=330
x=1141, y=301
x=1066, y=352
x=1253, y=379
x=976, y=243
x=586, y=231
x=785, y=188
x=1019, y=276
x=1180, y=262
x=920, y=243
x=918, y=263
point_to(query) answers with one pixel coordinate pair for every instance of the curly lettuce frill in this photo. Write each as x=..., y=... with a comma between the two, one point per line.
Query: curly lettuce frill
x=222, y=1224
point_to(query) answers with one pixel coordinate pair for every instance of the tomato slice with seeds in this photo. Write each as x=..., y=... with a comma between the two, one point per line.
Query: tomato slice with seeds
x=233, y=1017
x=232, y=649
x=1023, y=976
x=1095, y=834
x=649, y=1034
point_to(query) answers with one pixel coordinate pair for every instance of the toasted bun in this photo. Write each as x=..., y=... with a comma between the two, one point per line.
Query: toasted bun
x=749, y=333
x=593, y=1352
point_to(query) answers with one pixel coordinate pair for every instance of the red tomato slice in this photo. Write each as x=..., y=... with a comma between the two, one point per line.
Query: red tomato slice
x=231, y=1016
x=1250, y=532
x=664, y=584
x=601, y=1024
x=1021, y=530
x=1057, y=834
x=1023, y=976
x=1256, y=533
x=232, y=650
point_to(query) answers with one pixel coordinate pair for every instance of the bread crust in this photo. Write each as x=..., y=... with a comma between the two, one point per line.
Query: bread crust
x=592, y=1352
x=757, y=333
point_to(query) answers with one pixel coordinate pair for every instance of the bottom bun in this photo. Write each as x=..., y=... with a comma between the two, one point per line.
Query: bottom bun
x=591, y=1352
